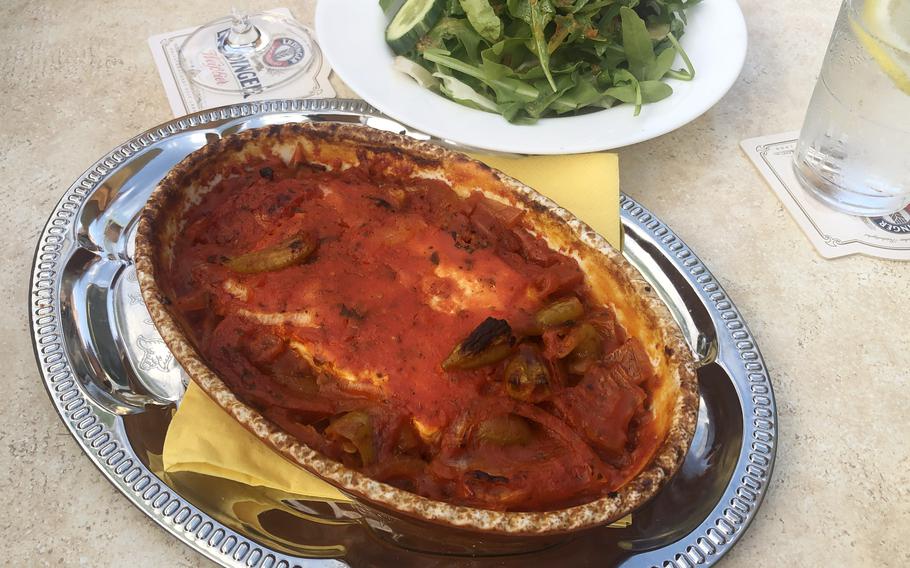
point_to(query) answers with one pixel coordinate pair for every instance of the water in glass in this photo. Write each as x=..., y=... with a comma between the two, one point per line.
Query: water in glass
x=854, y=149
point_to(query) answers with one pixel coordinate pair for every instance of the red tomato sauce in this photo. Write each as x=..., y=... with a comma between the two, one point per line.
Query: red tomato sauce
x=344, y=350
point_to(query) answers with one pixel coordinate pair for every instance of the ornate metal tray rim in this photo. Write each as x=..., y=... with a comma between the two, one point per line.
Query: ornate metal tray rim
x=101, y=435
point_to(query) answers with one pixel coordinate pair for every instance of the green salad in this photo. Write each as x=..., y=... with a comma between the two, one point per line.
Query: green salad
x=528, y=59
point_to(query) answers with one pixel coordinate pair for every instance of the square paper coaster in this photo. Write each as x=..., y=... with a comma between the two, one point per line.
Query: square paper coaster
x=834, y=234
x=186, y=97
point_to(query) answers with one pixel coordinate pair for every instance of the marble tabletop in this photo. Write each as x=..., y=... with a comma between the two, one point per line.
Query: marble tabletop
x=77, y=78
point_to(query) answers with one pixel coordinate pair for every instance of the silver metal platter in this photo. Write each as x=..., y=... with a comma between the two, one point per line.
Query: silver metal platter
x=115, y=385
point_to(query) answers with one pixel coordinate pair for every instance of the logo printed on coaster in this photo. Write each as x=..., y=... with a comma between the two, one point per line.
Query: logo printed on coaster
x=221, y=75
x=242, y=68
x=897, y=222
x=284, y=52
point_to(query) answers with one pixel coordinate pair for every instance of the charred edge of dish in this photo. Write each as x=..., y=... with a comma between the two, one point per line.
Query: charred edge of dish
x=395, y=152
x=322, y=131
x=680, y=455
x=536, y=206
x=236, y=143
x=368, y=139
x=391, y=143
x=490, y=331
x=424, y=161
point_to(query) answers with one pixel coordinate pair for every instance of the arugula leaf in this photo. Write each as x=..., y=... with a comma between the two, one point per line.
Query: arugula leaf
x=482, y=18
x=584, y=93
x=662, y=64
x=515, y=113
x=637, y=44
x=537, y=72
x=627, y=89
x=541, y=14
x=595, y=6
x=511, y=89
x=624, y=86
x=579, y=4
x=537, y=108
x=689, y=73
x=459, y=30
x=537, y=14
x=653, y=91
x=512, y=52
x=509, y=53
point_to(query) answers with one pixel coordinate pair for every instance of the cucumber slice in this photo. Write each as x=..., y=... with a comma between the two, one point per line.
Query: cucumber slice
x=390, y=7
x=412, y=21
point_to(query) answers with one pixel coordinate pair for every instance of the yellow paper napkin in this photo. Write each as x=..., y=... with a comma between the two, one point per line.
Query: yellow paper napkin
x=585, y=184
x=204, y=439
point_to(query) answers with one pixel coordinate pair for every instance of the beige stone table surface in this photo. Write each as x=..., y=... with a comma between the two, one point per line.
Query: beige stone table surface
x=77, y=78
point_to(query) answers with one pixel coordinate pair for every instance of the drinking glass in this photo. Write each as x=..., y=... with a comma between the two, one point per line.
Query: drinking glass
x=245, y=54
x=854, y=148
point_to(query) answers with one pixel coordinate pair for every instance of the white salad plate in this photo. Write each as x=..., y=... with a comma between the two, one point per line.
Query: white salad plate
x=351, y=34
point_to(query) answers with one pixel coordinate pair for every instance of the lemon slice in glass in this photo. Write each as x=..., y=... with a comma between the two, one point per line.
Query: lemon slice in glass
x=884, y=30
